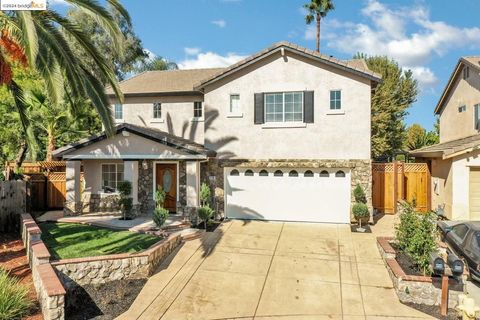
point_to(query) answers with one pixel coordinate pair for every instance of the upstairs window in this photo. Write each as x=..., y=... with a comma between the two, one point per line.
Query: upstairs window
x=462, y=109
x=466, y=72
x=197, y=109
x=284, y=107
x=112, y=175
x=335, y=100
x=118, y=111
x=157, y=110
x=477, y=116
x=234, y=104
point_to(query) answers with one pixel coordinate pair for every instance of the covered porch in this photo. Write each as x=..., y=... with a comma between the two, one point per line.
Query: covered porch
x=148, y=158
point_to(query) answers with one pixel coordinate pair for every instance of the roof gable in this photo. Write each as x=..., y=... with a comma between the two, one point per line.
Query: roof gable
x=473, y=62
x=354, y=66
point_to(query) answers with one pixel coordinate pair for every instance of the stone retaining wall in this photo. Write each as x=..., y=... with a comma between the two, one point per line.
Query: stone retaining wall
x=50, y=292
x=213, y=175
x=103, y=269
x=416, y=289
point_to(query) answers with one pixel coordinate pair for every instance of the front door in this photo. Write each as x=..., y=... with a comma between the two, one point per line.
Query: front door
x=166, y=178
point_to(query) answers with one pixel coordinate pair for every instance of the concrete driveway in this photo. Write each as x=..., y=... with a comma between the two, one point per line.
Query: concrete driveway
x=270, y=270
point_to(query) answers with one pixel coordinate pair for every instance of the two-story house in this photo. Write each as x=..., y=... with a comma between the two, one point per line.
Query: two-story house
x=281, y=135
x=455, y=161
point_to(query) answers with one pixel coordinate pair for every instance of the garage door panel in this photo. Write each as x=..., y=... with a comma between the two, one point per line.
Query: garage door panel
x=313, y=199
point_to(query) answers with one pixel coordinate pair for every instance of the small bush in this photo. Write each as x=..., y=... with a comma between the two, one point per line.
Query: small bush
x=125, y=202
x=160, y=215
x=205, y=194
x=125, y=188
x=359, y=194
x=205, y=213
x=360, y=210
x=416, y=234
x=14, y=302
x=160, y=195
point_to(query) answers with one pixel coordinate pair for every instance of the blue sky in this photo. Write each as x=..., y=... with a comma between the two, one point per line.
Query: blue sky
x=426, y=36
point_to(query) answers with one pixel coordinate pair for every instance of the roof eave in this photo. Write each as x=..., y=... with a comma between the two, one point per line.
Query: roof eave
x=158, y=94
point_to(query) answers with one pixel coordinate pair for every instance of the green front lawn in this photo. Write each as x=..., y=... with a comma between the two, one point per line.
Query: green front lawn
x=71, y=240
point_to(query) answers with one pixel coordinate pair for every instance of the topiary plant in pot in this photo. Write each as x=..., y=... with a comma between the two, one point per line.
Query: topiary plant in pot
x=361, y=214
x=205, y=213
x=125, y=202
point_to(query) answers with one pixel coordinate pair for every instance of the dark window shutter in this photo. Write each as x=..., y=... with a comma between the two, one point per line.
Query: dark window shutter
x=258, y=115
x=477, y=124
x=308, y=106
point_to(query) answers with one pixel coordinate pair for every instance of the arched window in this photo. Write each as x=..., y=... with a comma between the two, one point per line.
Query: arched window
x=263, y=173
x=308, y=173
x=293, y=173
x=234, y=172
x=340, y=174
x=324, y=174
x=249, y=173
x=278, y=173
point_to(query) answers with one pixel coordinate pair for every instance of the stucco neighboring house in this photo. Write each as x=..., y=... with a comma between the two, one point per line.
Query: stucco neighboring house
x=281, y=135
x=455, y=161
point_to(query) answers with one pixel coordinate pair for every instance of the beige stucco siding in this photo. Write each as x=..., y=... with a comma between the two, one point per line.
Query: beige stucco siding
x=177, y=115
x=331, y=136
x=454, y=124
x=125, y=147
x=442, y=186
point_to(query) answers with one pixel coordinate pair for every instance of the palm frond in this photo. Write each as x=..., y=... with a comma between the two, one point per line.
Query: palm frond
x=50, y=71
x=29, y=39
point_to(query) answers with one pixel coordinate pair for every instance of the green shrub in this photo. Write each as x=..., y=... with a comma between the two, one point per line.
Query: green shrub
x=14, y=302
x=160, y=215
x=205, y=194
x=359, y=194
x=160, y=195
x=416, y=235
x=125, y=202
x=205, y=213
x=360, y=210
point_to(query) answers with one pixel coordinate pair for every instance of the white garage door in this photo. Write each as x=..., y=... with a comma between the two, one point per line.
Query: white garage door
x=315, y=195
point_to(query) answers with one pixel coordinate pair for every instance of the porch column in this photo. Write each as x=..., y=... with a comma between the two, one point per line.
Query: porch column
x=131, y=174
x=72, y=175
x=193, y=183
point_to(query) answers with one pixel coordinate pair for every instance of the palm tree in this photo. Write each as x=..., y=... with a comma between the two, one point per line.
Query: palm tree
x=36, y=39
x=156, y=63
x=318, y=9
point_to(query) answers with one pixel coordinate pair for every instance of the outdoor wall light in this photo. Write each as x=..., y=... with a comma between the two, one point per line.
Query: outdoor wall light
x=144, y=164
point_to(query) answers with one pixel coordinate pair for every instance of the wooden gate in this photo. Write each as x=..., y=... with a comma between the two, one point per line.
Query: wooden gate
x=56, y=189
x=400, y=181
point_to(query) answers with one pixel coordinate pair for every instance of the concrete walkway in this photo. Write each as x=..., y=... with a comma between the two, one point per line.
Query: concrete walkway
x=268, y=270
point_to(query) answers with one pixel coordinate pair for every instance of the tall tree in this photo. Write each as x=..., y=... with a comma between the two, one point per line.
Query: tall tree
x=390, y=102
x=123, y=61
x=156, y=63
x=318, y=9
x=417, y=137
x=37, y=39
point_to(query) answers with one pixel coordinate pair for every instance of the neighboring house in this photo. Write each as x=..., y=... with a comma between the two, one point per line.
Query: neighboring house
x=455, y=161
x=281, y=135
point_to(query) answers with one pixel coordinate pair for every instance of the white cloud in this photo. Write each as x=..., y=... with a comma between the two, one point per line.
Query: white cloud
x=386, y=33
x=191, y=51
x=210, y=60
x=219, y=23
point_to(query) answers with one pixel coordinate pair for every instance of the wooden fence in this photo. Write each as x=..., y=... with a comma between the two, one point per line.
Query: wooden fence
x=12, y=204
x=400, y=181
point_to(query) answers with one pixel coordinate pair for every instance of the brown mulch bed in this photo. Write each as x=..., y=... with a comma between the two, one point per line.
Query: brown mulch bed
x=434, y=311
x=14, y=260
x=407, y=263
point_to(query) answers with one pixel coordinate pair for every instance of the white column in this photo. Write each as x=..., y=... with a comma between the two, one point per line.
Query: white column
x=73, y=181
x=131, y=174
x=193, y=183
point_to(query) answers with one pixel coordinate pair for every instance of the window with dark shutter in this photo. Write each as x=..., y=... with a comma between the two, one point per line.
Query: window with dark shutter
x=477, y=116
x=308, y=106
x=258, y=114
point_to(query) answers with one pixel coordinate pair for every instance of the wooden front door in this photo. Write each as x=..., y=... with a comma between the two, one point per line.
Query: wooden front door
x=166, y=178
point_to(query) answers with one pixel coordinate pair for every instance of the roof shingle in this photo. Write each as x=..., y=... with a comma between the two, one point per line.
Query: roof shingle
x=449, y=147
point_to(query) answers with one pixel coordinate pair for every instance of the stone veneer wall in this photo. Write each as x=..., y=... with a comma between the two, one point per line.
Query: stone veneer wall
x=416, y=289
x=50, y=292
x=213, y=173
x=103, y=269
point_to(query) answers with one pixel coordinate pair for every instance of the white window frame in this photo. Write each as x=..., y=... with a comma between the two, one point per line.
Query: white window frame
x=195, y=118
x=476, y=106
x=156, y=110
x=335, y=100
x=231, y=113
x=283, y=107
x=115, y=112
x=116, y=164
x=462, y=108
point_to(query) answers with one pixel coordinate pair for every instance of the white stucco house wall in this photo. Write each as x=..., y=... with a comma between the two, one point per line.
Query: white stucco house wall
x=455, y=162
x=281, y=135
